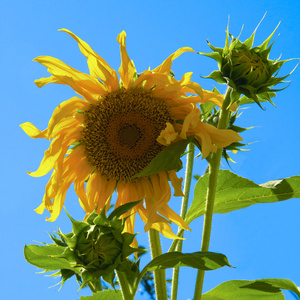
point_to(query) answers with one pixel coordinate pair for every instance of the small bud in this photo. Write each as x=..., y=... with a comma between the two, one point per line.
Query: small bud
x=94, y=249
x=248, y=70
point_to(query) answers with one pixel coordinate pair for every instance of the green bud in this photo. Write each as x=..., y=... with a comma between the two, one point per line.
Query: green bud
x=248, y=70
x=94, y=249
x=99, y=245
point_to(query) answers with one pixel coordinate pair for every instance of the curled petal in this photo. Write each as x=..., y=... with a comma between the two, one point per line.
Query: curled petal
x=127, y=69
x=168, y=135
x=172, y=216
x=34, y=132
x=84, y=84
x=190, y=121
x=176, y=183
x=165, y=67
x=66, y=109
x=99, y=68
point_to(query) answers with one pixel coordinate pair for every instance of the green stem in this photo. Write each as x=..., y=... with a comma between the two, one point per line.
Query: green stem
x=159, y=275
x=127, y=293
x=214, y=166
x=185, y=199
x=175, y=242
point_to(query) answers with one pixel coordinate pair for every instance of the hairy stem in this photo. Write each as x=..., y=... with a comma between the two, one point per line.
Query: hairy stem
x=159, y=275
x=185, y=199
x=125, y=287
x=214, y=166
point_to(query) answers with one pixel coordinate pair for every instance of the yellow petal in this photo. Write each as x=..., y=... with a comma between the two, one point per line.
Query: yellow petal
x=165, y=229
x=221, y=137
x=82, y=83
x=165, y=67
x=50, y=157
x=40, y=209
x=195, y=88
x=66, y=126
x=190, y=121
x=98, y=66
x=99, y=191
x=79, y=186
x=176, y=183
x=66, y=109
x=34, y=132
x=59, y=200
x=168, y=135
x=205, y=141
x=127, y=69
x=172, y=216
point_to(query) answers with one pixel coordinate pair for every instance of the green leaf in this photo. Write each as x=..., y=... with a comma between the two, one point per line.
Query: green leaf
x=198, y=260
x=44, y=257
x=263, y=289
x=166, y=160
x=105, y=295
x=120, y=210
x=235, y=192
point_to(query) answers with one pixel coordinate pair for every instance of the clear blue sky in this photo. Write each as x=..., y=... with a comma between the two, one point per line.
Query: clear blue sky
x=261, y=241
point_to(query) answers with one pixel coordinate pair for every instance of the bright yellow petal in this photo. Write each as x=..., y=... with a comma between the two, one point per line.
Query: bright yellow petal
x=59, y=200
x=66, y=126
x=165, y=230
x=127, y=69
x=82, y=83
x=167, y=212
x=194, y=88
x=217, y=99
x=82, y=174
x=165, y=67
x=126, y=193
x=190, y=122
x=99, y=191
x=66, y=109
x=34, y=132
x=50, y=158
x=162, y=195
x=99, y=68
x=221, y=137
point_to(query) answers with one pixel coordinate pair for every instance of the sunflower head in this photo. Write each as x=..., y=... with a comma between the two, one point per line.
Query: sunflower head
x=247, y=69
x=122, y=134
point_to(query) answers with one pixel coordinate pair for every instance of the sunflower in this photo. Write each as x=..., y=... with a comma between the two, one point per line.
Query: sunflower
x=101, y=140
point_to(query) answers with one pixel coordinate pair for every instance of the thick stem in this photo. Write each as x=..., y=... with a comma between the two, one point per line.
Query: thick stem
x=185, y=199
x=159, y=275
x=214, y=166
x=125, y=287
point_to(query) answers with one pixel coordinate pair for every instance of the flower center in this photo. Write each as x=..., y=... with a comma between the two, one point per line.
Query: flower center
x=129, y=135
x=120, y=132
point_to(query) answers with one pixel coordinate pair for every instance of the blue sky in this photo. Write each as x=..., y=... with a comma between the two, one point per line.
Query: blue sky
x=261, y=241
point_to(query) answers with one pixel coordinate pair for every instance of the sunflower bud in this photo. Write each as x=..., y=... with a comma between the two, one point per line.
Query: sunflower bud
x=94, y=249
x=99, y=245
x=248, y=70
